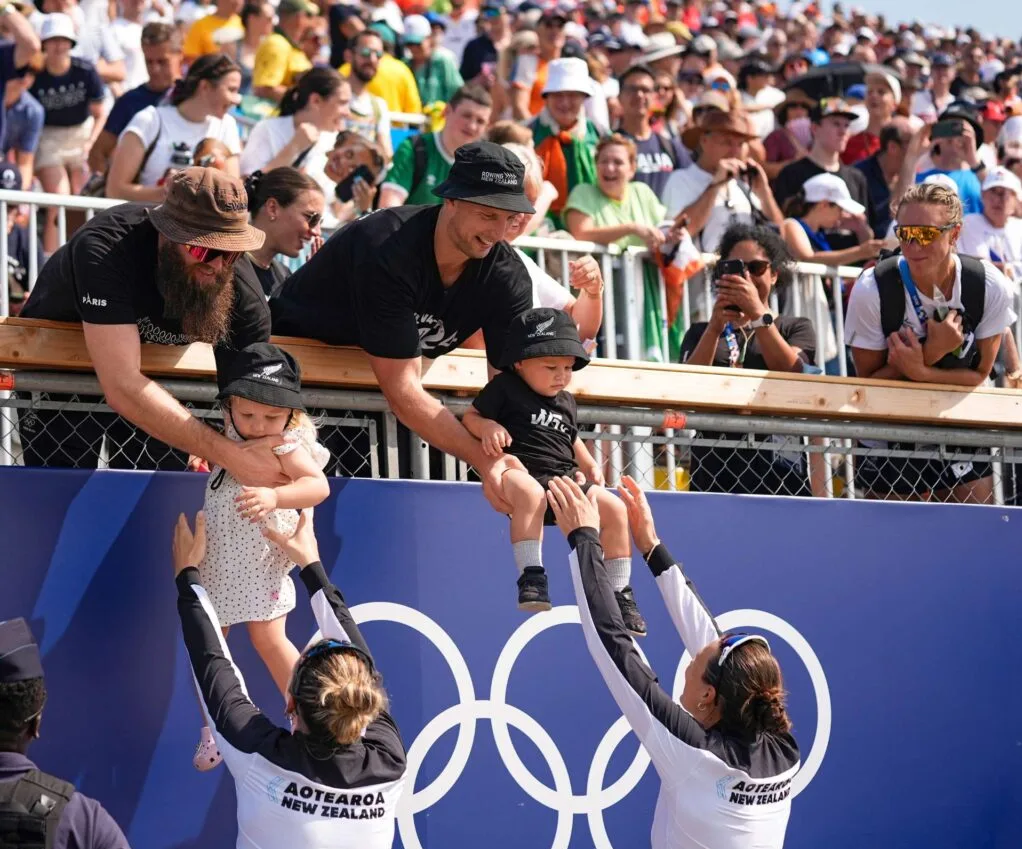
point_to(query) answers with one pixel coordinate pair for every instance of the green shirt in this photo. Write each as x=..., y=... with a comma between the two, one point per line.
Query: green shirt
x=438, y=79
x=402, y=169
x=639, y=206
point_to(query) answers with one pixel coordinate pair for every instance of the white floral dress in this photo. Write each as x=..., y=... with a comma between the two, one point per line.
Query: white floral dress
x=245, y=575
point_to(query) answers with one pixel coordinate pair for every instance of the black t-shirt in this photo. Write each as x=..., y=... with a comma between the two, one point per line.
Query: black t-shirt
x=543, y=430
x=797, y=332
x=270, y=280
x=106, y=274
x=793, y=176
x=477, y=52
x=66, y=97
x=375, y=284
x=721, y=467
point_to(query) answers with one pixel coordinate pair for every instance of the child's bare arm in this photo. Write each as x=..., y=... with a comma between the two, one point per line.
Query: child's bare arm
x=308, y=488
x=586, y=463
x=493, y=435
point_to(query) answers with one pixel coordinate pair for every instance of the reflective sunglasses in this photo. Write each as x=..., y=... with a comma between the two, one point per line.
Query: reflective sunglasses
x=733, y=641
x=922, y=234
x=720, y=85
x=313, y=219
x=210, y=254
x=369, y=53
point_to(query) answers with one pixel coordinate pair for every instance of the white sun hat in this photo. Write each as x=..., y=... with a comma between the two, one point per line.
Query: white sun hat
x=58, y=25
x=832, y=188
x=568, y=75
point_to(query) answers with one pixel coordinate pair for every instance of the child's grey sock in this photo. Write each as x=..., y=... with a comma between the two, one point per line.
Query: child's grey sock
x=619, y=570
x=528, y=552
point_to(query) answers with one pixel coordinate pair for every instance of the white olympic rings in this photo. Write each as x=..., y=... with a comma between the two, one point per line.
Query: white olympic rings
x=560, y=797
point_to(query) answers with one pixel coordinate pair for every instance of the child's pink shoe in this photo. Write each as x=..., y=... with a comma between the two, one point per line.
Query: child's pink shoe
x=207, y=755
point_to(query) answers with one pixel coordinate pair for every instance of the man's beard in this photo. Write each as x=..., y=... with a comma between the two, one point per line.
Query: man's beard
x=203, y=308
x=364, y=75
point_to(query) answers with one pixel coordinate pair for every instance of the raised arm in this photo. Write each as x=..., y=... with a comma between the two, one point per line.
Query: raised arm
x=670, y=735
x=691, y=617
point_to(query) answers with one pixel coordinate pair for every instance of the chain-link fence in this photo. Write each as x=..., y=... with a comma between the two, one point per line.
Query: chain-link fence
x=60, y=421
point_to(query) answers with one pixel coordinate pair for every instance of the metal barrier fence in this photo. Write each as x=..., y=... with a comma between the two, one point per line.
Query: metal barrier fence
x=60, y=420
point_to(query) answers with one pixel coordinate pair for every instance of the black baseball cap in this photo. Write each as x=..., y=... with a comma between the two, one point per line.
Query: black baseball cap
x=263, y=373
x=543, y=332
x=19, y=654
x=961, y=110
x=487, y=174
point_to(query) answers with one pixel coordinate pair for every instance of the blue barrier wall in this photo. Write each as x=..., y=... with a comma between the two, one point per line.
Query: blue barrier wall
x=910, y=610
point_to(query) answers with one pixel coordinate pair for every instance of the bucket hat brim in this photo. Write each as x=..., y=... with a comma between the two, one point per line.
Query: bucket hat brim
x=507, y=201
x=263, y=393
x=247, y=238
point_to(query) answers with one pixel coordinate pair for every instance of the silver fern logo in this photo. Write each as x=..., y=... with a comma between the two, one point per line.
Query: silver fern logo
x=543, y=328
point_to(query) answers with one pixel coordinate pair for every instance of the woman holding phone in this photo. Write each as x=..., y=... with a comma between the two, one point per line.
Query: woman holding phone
x=724, y=753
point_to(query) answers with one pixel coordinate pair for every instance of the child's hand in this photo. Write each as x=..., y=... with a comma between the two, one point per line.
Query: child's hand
x=197, y=464
x=256, y=502
x=495, y=439
x=592, y=473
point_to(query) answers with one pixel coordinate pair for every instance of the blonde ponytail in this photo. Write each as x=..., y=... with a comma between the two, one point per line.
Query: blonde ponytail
x=345, y=697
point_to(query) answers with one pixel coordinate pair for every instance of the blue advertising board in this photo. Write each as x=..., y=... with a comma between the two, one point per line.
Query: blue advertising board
x=896, y=625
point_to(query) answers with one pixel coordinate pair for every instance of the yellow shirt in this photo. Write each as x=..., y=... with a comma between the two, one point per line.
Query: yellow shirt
x=199, y=40
x=278, y=62
x=395, y=83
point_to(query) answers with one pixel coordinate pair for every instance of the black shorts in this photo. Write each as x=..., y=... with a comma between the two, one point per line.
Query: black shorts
x=883, y=475
x=544, y=481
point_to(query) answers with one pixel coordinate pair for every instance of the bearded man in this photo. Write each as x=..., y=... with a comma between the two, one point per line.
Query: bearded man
x=162, y=275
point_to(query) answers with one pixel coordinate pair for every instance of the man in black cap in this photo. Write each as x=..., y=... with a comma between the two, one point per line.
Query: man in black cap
x=38, y=809
x=417, y=281
x=166, y=276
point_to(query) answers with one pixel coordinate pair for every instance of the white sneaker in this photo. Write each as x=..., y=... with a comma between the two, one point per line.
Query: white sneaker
x=207, y=756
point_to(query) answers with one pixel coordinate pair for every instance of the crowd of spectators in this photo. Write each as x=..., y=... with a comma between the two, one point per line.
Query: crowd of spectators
x=647, y=123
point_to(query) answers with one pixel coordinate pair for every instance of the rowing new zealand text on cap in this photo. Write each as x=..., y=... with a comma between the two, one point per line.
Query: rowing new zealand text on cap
x=487, y=174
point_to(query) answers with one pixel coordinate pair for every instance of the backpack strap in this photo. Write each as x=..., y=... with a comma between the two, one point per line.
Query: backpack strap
x=419, y=154
x=666, y=147
x=43, y=797
x=892, y=295
x=974, y=289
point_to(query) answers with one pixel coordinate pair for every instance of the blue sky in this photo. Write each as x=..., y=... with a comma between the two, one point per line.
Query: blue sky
x=988, y=16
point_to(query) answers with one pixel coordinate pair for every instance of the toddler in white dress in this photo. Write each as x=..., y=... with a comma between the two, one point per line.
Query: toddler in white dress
x=245, y=574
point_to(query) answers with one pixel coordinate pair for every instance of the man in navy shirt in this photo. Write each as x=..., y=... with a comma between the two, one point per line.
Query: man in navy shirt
x=24, y=124
x=71, y=819
x=17, y=52
x=161, y=47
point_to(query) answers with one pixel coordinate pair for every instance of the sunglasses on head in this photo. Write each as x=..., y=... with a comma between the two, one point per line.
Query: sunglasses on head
x=720, y=85
x=921, y=234
x=323, y=647
x=210, y=254
x=732, y=641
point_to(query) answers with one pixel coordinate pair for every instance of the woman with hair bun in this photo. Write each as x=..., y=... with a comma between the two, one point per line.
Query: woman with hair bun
x=311, y=113
x=288, y=207
x=331, y=781
x=725, y=754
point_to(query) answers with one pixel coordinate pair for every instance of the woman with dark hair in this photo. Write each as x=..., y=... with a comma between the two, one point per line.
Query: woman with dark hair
x=311, y=113
x=724, y=751
x=334, y=779
x=162, y=139
x=743, y=333
x=352, y=151
x=288, y=207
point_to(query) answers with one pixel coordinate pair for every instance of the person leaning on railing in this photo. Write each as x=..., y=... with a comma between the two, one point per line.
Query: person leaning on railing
x=933, y=317
x=743, y=333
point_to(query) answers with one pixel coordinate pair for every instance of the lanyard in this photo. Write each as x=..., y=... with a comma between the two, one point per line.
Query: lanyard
x=735, y=354
x=913, y=293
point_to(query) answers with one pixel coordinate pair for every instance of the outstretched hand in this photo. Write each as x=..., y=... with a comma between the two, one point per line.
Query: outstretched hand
x=188, y=548
x=640, y=517
x=573, y=508
x=301, y=546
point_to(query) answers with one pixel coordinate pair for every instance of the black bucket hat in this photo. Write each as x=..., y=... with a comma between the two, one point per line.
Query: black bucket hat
x=543, y=332
x=487, y=174
x=263, y=373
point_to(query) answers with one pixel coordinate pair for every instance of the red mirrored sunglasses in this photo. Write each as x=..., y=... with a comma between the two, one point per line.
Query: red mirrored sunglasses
x=210, y=254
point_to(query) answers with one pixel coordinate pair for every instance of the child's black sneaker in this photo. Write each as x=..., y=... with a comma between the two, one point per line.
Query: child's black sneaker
x=533, y=595
x=634, y=622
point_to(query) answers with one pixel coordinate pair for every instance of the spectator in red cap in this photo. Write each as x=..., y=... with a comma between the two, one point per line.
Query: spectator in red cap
x=992, y=115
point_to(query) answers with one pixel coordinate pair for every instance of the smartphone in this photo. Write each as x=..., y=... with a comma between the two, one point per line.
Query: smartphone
x=729, y=266
x=344, y=189
x=947, y=130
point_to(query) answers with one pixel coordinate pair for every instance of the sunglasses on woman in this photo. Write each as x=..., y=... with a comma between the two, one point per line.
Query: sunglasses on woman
x=922, y=234
x=313, y=219
x=210, y=254
x=758, y=267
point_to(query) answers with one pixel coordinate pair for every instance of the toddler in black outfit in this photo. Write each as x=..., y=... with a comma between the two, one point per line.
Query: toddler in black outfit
x=527, y=411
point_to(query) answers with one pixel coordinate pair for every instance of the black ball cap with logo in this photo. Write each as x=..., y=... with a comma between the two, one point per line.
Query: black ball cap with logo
x=489, y=175
x=264, y=373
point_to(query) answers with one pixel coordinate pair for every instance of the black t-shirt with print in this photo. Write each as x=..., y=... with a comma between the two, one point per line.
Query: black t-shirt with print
x=375, y=284
x=106, y=274
x=66, y=97
x=656, y=158
x=543, y=430
x=725, y=468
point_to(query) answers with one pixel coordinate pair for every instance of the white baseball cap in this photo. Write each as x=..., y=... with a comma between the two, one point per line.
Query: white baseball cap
x=942, y=180
x=417, y=29
x=58, y=25
x=831, y=188
x=890, y=81
x=1000, y=177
